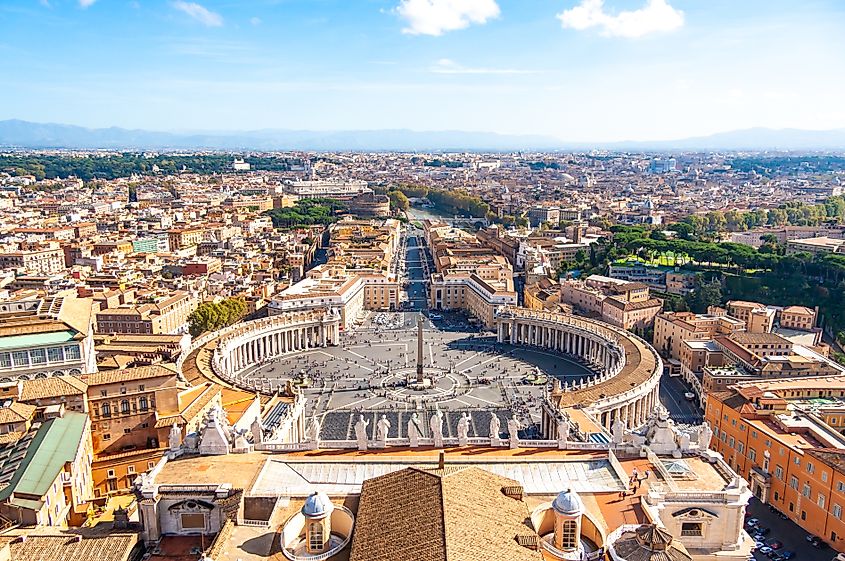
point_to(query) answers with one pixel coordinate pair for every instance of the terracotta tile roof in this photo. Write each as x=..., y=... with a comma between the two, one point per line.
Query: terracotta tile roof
x=16, y=412
x=56, y=386
x=129, y=374
x=66, y=547
x=455, y=514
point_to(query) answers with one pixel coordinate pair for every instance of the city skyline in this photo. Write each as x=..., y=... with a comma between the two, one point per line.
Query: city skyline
x=576, y=70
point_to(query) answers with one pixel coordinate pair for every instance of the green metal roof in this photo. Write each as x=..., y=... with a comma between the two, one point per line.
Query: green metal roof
x=55, y=443
x=35, y=340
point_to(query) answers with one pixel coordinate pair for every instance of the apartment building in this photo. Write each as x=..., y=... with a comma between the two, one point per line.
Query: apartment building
x=760, y=318
x=45, y=474
x=818, y=245
x=46, y=336
x=184, y=238
x=350, y=291
x=469, y=275
x=155, y=315
x=624, y=304
x=774, y=434
x=672, y=328
x=45, y=261
x=125, y=404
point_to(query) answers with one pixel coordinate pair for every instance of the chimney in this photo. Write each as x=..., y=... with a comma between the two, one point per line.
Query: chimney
x=442, y=460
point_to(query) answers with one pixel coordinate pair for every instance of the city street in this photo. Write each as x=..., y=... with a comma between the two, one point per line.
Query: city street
x=788, y=532
x=681, y=410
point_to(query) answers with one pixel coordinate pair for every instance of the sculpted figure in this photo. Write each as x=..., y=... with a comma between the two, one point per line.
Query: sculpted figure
x=361, y=432
x=495, y=429
x=436, y=426
x=513, y=429
x=414, y=430
x=463, y=429
x=382, y=428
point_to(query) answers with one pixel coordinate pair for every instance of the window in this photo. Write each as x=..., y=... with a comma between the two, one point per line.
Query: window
x=820, y=500
x=103, y=393
x=21, y=358
x=107, y=436
x=840, y=486
x=824, y=477
x=740, y=447
x=127, y=431
x=731, y=442
x=124, y=406
x=793, y=482
x=810, y=467
x=797, y=461
x=141, y=388
x=130, y=469
x=54, y=354
x=110, y=473
x=752, y=455
x=142, y=404
x=805, y=490
x=315, y=536
x=106, y=410
x=779, y=472
x=72, y=352
x=37, y=356
x=151, y=465
x=691, y=529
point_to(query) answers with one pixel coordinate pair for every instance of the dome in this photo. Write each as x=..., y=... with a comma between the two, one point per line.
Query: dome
x=568, y=502
x=317, y=505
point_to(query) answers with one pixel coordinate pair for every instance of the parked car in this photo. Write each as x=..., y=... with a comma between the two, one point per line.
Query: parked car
x=819, y=543
x=775, y=544
x=787, y=555
x=754, y=522
x=762, y=530
x=775, y=556
x=765, y=550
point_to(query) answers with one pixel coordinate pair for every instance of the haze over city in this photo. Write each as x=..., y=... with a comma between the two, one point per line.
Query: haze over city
x=575, y=70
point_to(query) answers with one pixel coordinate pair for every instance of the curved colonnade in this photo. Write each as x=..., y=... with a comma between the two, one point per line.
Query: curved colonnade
x=246, y=344
x=625, y=386
x=628, y=369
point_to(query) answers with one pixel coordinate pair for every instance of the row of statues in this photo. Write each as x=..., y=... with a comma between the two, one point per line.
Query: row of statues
x=414, y=431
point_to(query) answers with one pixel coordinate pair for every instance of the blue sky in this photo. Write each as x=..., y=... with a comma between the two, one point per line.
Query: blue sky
x=580, y=70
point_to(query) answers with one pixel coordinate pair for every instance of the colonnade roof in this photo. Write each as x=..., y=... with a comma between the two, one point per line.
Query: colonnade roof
x=640, y=365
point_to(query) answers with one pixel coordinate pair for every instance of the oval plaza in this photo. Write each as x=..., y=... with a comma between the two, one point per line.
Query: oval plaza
x=537, y=435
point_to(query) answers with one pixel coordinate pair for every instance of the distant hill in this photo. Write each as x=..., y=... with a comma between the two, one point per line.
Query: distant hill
x=25, y=134
x=750, y=139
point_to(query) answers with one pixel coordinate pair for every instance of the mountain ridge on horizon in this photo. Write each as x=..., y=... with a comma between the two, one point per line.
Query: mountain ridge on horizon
x=20, y=134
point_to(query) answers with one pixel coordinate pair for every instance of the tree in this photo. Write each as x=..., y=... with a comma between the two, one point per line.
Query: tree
x=706, y=294
x=211, y=316
x=398, y=200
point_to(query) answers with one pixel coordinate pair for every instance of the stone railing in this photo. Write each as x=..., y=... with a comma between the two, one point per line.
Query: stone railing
x=421, y=442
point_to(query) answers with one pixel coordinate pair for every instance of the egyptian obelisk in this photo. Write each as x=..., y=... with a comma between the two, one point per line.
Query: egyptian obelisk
x=420, y=349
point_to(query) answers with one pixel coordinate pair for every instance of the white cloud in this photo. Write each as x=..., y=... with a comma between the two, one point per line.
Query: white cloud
x=449, y=66
x=255, y=21
x=86, y=3
x=653, y=17
x=199, y=13
x=434, y=17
